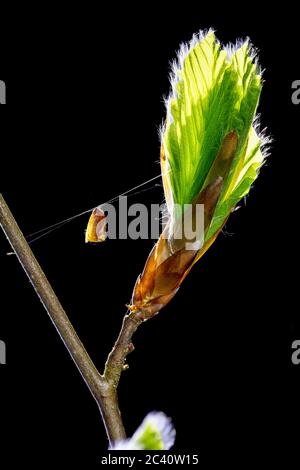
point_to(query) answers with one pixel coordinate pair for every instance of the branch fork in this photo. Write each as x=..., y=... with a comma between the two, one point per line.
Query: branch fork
x=103, y=387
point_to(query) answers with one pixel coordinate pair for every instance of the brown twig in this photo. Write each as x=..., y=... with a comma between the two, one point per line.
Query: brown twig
x=102, y=387
x=115, y=363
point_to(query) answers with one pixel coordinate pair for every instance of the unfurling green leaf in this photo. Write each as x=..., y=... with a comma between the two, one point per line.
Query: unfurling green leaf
x=211, y=152
x=155, y=433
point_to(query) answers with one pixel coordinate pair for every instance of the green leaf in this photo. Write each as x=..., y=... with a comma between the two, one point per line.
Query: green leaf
x=215, y=91
x=155, y=433
x=150, y=438
x=239, y=181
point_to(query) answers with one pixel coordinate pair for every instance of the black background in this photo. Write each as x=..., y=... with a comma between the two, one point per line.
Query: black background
x=84, y=102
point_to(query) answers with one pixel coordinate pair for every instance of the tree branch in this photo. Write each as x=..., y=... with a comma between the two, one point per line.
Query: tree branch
x=103, y=391
x=115, y=363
